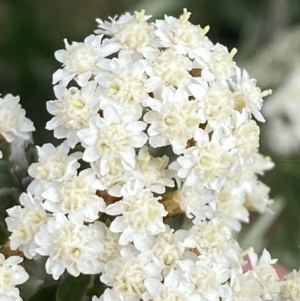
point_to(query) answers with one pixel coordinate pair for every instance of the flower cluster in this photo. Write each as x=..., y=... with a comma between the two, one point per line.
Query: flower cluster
x=157, y=122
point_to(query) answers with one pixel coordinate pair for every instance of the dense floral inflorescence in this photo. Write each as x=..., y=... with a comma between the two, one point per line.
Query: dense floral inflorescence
x=161, y=119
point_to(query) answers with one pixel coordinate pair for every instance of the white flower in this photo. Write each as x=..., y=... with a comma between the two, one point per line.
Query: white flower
x=152, y=171
x=229, y=205
x=11, y=274
x=221, y=64
x=76, y=197
x=127, y=273
x=291, y=288
x=72, y=110
x=141, y=215
x=209, y=237
x=185, y=37
x=172, y=68
x=13, y=122
x=208, y=163
x=193, y=201
x=174, y=120
x=54, y=165
x=111, y=176
x=265, y=273
x=24, y=222
x=217, y=101
x=110, y=248
x=126, y=85
x=245, y=287
x=80, y=59
x=248, y=95
x=113, y=136
x=167, y=248
x=208, y=275
x=246, y=132
x=136, y=35
x=69, y=246
x=173, y=288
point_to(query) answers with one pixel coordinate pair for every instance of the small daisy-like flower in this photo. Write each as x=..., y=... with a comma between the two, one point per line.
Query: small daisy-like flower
x=248, y=95
x=141, y=214
x=193, y=201
x=291, y=288
x=265, y=273
x=137, y=36
x=13, y=122
x=167, y=248
x=228, y=205
x=72, y=110
x=126, y=85
x=174, y=120
x=80, y=59
x=24, y=222
x=113, y=137
x=76, y=197
x=54, y=165
x=110, y=248
x=172, y=68
x=173, y=288
x=153, y=172
x=208, y=275
x=185, y=37
x=69, y=246
x=209, y=162
x=127, y=273
x=209, y=237
x=11, y=274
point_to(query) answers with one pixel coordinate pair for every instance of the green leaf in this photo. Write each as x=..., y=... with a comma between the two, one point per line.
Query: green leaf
x=4, y=234
x=73, y=288
x=97, y=290
x=46, y=293
x=6, y=179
